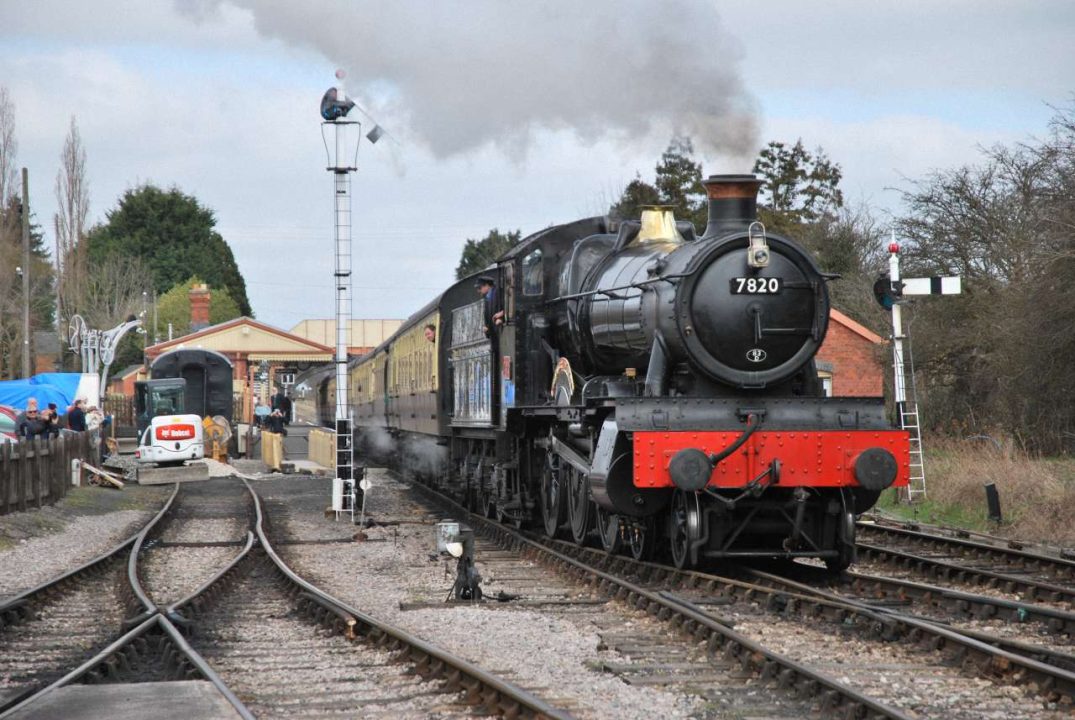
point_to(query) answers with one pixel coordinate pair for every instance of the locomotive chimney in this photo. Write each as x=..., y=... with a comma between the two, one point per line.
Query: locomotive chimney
x=733, y=202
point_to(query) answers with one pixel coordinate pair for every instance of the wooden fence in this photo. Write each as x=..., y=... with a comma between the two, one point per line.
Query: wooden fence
x=323, y=447
x=38, y=472
x=121, y=408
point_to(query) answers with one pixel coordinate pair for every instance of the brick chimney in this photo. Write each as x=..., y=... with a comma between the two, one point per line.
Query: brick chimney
x=199, y=307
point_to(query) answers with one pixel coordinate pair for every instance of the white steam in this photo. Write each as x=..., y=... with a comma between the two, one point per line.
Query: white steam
x=459, y=74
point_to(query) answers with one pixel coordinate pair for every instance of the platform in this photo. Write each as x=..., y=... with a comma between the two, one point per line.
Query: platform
x=180, y=700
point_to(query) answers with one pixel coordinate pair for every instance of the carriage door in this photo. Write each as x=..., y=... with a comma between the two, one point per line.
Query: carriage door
x=471, y=361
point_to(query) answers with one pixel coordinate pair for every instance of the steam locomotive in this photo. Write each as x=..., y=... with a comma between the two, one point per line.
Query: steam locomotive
x=644, y=386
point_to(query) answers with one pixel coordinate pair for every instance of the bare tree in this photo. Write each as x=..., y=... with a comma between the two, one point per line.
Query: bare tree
x=998, y=357
x=10, y=247
x=72, y=197
x=8, y=147
x=112, y=290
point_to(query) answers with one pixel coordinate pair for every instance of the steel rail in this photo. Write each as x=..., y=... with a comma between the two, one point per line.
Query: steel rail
x=1061, y=566
x=752, y=656
x=982, y=606
x=140, y=596
x=211, y=586
x=1050, y=676
x=1055, y=658
x=949, y=600
x=15, y=609
x=149, y=607
x=1030, y=589
x=113, y=656
x=881, y=518
x=496, y=694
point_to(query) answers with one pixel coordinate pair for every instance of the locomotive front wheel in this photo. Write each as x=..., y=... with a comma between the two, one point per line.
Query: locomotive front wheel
x=551, y=499
x=608, y=527
x=845, y=545
x=683, y=528
x=641, y=537
x=578, y=504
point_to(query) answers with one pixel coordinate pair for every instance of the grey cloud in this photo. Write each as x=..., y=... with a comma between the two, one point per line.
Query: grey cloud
x=915, y=46
x=463, y=74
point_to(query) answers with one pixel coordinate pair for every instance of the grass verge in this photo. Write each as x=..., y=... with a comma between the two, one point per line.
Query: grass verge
x=1037, y=495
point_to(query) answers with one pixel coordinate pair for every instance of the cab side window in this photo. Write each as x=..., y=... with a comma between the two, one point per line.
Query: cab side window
x=533, y=273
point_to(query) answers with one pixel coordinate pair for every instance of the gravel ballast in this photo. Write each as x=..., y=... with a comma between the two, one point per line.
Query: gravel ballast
x=38, y=545
x=557, y=653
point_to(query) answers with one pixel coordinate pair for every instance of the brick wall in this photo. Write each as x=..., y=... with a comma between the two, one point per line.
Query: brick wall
x=855, y=360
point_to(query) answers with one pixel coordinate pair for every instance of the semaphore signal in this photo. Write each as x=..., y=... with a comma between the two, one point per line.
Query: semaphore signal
x=889, y=291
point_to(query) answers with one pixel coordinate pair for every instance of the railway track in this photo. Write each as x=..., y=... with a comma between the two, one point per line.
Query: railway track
x=575, y=646
x=62, y=622
x=734, y=656
x=254, y=617
x=202, y=533
x=1034, y=576
x=948, y=663
x=1016, y=628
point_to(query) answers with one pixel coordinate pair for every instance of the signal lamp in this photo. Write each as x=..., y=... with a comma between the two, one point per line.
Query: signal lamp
x=886, y=292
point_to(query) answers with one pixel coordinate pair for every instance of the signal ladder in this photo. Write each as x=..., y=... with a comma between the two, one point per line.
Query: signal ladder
x=909, y=418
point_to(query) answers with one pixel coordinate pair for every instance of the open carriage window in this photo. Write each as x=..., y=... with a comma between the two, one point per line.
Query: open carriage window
x=533, y=275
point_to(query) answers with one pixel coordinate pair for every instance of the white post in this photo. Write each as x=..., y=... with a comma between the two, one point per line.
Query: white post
x=899, y=389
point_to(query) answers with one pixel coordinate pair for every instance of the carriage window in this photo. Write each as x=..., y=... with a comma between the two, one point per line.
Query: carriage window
x=533, y=277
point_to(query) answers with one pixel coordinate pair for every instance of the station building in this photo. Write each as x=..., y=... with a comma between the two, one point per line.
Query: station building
x=851, y=361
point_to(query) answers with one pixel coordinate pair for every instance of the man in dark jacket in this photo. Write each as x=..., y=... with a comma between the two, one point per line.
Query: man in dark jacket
x=275, y=423
x=492, y=312
x=282, y=402
x=76, y=418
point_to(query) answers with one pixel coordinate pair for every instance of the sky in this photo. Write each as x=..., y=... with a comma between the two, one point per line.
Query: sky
x=501, y=113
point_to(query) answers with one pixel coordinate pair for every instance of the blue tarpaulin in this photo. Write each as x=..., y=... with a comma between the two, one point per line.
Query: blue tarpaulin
x=59, y=388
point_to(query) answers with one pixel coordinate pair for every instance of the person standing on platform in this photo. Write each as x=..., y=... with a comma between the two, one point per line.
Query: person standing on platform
x=282, y=402
x=276, y=423
x=76, y=417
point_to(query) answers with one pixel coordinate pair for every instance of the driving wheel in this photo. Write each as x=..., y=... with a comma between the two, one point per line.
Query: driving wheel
x=553, y=508
x=578, y=504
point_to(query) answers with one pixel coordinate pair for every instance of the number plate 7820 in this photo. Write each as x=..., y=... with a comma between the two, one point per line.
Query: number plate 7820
x=756, y=285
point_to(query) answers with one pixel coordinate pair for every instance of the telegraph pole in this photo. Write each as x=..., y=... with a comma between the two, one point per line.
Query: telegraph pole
x=25, y=274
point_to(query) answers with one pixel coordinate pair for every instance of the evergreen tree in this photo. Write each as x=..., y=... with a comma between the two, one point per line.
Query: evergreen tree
x=677, y=182
x=175, y=236
x=637, y=195
x=800, y=186
x=480, y=254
